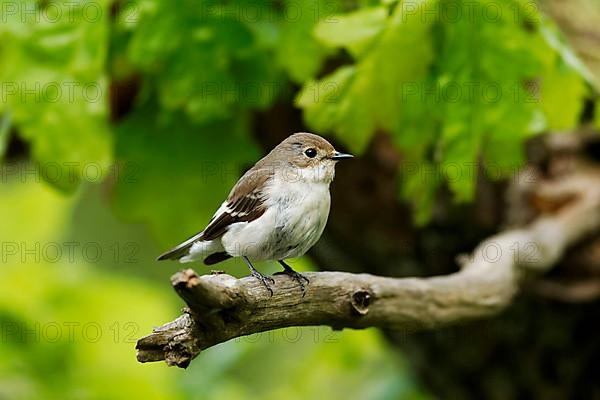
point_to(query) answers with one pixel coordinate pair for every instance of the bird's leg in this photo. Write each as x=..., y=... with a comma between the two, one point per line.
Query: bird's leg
x=263, y=278
x=298, y=277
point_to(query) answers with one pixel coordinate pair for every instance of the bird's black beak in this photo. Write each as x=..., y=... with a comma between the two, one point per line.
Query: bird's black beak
x=340, y=156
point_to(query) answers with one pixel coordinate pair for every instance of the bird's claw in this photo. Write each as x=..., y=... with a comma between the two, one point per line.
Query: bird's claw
x=267, y=281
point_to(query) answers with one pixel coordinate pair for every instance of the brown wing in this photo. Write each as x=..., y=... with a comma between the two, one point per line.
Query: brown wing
x=246, y=203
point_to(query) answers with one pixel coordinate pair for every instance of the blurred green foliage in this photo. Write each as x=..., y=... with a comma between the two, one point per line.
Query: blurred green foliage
x=456, y=83
x=68, y=324
x=54, y=84
x=452, y=84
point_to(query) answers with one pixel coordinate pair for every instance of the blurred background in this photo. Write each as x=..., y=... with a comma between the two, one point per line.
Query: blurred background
x=123, y=125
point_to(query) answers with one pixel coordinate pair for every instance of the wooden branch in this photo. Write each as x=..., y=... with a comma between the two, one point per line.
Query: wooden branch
x=221, y=307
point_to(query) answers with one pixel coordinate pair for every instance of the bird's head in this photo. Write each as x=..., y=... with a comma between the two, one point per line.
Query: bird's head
x=308, y=157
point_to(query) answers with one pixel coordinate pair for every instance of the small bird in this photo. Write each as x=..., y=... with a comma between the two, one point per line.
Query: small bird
x=277, y=210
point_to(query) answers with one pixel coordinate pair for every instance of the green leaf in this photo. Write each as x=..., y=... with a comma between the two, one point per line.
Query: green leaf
x=557, y=42
x=206, y=59
x=55, y=87
x=320, y=99
x=474, y=109
x=354, y=31
x=419, y=182
x=369, y=97
x=298, y=52
x=562, y=94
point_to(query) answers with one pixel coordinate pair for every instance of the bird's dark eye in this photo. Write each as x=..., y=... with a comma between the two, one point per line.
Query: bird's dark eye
x=310, y=153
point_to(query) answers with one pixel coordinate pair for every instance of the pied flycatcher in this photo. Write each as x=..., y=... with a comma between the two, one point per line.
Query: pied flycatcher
x=277, y=210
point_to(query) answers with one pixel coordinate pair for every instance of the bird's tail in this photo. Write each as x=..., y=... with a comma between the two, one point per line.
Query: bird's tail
x=181, y=250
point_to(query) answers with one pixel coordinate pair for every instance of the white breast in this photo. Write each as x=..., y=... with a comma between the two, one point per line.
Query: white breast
x=295, y=219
